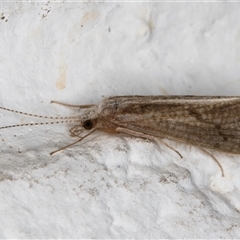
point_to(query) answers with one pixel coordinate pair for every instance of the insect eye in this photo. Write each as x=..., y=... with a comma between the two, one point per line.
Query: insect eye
x=88, y=124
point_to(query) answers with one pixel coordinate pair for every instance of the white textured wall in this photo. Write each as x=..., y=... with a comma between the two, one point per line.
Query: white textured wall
x=113, y=186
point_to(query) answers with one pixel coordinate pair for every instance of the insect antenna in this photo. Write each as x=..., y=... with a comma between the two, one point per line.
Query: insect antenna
x=56, y=120
x=38, y=116
x=40, y=123
x=65, y=119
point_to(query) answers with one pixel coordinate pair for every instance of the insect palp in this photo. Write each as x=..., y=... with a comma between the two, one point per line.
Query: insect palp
x=76, y=131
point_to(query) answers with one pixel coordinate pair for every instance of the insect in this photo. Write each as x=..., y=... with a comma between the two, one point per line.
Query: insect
x=206, y=122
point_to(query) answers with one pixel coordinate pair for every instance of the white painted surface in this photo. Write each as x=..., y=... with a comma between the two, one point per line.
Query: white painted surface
x=113, y=186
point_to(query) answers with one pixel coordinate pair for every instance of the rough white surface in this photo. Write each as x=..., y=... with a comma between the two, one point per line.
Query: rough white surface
x=113, y=186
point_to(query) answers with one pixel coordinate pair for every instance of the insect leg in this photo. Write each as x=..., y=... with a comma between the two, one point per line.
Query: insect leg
x=72, y=105
x=146, y=136
x=69, y=145
x=218, y=163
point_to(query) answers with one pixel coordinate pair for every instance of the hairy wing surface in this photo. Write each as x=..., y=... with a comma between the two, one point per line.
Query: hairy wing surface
x=209, y=124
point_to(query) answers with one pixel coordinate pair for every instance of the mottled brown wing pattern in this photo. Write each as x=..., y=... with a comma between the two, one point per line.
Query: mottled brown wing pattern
x=208, y=122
